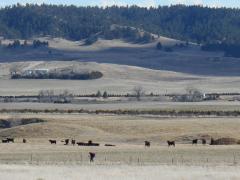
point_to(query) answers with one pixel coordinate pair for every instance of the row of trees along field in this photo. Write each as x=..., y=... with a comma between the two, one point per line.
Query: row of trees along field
x=194, y=23
x=17, y=44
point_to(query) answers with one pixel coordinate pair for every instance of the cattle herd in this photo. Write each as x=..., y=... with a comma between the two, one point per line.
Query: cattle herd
x=90, y=143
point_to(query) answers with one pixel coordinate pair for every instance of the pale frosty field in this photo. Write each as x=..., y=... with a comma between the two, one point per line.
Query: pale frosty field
x=92, y=172
x=119, y=79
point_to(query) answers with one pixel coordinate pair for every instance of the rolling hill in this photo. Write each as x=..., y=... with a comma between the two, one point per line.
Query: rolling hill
x=191, y=59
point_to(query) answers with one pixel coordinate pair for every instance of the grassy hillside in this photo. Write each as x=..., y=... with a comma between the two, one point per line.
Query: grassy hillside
x=186, y=60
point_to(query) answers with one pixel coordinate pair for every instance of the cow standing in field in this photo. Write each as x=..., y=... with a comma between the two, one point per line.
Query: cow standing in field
x=212, y=142
x=110, y=145
x=66, y=141
x=53, y=141
x=91, y=156
x=73, y=142
x=147, y=143
x=195, y=141
x=4, y=141
x=204, y=141
x=24, y=141
x=10, y=140
x=171, y=143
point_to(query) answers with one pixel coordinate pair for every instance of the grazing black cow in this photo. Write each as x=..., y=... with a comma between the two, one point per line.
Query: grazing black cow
x=10, y=140
x=204, y=141
x=24, y=141
x=147, y=143
x=73, y=142
x=171, y=143
x=91, y=156
x=4, y=141
x=195, y=141
x=66, y=141
x=81, y=144
x=109, y=145
x=89, y=143
x=212, y=142
x=53, y=141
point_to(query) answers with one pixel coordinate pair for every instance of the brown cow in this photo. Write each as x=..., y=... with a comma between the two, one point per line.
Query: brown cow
x=24, y=141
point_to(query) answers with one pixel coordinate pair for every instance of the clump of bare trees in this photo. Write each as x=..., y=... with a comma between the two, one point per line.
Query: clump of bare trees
x=14, y=69
x=49, y=96
x=138, y=92
x=192, y=95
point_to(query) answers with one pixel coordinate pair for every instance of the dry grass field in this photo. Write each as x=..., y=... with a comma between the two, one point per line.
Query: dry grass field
x=118, y=79
x=129, y=159
x=128, y=133
x=123, y=129
x=188, y=60
x=129, y=105
x=118, y=172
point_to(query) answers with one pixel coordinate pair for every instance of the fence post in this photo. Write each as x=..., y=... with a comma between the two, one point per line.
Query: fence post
x=81, y=159
x=31, y=158
x=234, y=159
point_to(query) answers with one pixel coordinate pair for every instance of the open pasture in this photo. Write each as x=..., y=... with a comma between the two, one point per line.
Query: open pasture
x=128, y=133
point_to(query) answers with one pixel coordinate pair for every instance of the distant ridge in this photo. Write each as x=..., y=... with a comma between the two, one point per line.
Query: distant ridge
x=188, y=23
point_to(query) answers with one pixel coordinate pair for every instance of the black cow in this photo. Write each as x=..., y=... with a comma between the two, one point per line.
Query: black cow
x=109, y=145
x=204, y=141
x=24, y=141
x=212, y=142
x=4, y=141
x=147, y=143
x=81, y=144
x=92, y=156
x=171, y=143
x=90, y=143
x=66, y=141
x=73, y=142
x=10, y=140
x=53, y=141
x=195, y=141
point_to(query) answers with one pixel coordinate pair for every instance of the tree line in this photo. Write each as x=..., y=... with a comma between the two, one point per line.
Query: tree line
x=188, y=23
